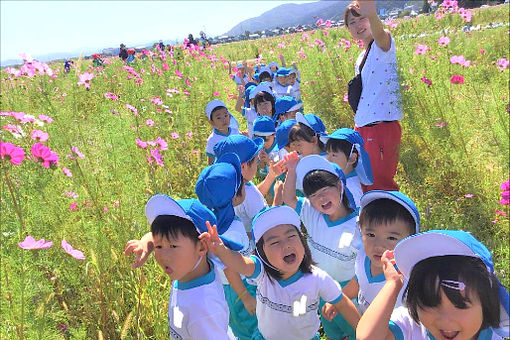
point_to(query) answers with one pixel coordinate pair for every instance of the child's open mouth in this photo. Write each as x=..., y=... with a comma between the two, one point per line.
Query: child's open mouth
x=289, y=259
x=450, y=335
x=360, y=32
x=327, y=205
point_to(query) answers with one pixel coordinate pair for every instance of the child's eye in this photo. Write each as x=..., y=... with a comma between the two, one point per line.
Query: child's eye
x=392, y=238
x=158, y=247
x=173, y=246
x=274, y=243
x=370, y=234
x=291, y=236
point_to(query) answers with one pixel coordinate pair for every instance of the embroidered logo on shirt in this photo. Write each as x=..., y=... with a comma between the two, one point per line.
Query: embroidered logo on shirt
x=285, y=308
x=178, y=316
x=342, y=257
x=299, y=307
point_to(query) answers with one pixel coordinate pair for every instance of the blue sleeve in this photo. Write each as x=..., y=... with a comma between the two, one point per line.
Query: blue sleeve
x=397, y=332
x=299, y=205
x=258, y=268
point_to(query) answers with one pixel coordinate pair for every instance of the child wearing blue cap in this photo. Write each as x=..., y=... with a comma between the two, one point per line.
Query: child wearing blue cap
x=242, y=76
x=385, y=218
x=281, y=85
x=223, y=123
x=245, y=106
x=286, y=108
x=304, y=137
x=452, y=292
x=264, y=128
x=289, y=286
x=344, y=147
x=329, y=216
x=218, y=187
x=175, y=227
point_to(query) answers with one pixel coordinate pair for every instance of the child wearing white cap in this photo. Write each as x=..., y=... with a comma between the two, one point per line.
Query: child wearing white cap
x=223, y=123
x=288, y=284
x=329, y=216
x=452, y=292
x=304, y=137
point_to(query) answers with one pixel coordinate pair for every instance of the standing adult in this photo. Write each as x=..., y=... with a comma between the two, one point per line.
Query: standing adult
x=123, y=52
x=379, y=108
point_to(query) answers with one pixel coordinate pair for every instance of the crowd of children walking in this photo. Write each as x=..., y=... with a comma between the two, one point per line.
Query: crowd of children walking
x=324, y=242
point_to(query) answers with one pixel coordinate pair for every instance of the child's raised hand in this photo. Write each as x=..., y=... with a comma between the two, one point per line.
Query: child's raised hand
x=390, y=272
x=329, y=311
x=291, y=160
x=211, y=238
x=276, y=169
x=141, y=249
x=245, y=133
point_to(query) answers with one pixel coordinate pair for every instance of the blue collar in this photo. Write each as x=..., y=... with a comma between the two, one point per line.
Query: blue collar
x=485, y=334
x=351, y=174
x=368, y=272
x=222, y=134
x=271, y=147
x=291, y=280
x=199, y=281
x=340, y=220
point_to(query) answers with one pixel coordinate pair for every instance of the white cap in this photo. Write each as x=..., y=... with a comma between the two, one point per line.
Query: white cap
x=272, y=217
x=163, y=205
x=310, y=163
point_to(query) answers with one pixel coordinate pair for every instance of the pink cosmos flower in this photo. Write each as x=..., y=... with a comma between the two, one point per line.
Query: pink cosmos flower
x=175, y=135
x=132, y=109
x=39, y=135
x=149, y=122
x=44, y=154
x=456, y=79
x=73, y=206
x=165, y=67
x=459, y=59
x=443, y=41
x=189, y=134
x=111, y=96
x=178, y=74
x=157, y=100
x=449, y=4
x=216, y=94
x=157, y=156
x=8, y=151
x=105, y=208
x=195, y=152
x=71, y=194
x=500, y=213
x=45, y=118
x=482, y=51
x=85, y=79
x=469, y=195
x=77, y=152
x=502, y=63
x=140, y=143
x=67, y=172
x=426, y=81
x=390, y=23
x=346, y=97
x=421, y=49
x=14, y=129
x=71, y=251
x=505, y=186
x=465, y=14
x=163, y=145
x=31, y=243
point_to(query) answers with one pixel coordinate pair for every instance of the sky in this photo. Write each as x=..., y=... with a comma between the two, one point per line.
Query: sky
x=43, y=27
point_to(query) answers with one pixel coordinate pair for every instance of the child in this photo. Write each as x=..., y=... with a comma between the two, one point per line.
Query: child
x=452, y=292
x=281, y=86
x=175, y=226
x=288, y=284
x=295, y=83
x=216, y=188
x=248, y=152
x=131, y=55
x=273, y=66
x=344, y=147
x=244, y=105
x=264, y=128
x=223, y=123
x=385, y=218
x=265, y=75
x=282, y=137
x=304, y=136
x=263, y=100
x=331, y=223
x=286, y=108
x=241, y=77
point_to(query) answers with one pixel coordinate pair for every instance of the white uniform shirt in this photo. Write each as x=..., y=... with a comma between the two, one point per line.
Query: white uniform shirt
x=403, y=327
x=251, y=206
x=333, y=244
x=288, y=309
x=250, y=114
x=380, y=98
x=280, y=90
x=215, y=137
x=354, y=185
x=369, y=286
x=190, y=318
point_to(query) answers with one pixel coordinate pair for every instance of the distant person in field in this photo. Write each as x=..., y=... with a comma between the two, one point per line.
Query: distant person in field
x=67, y=65
x=123, y=52
x=96, y=60
x=131, y=55
x=379, y=109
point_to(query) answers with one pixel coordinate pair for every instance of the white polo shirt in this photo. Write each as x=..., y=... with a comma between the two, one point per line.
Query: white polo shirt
x=250, y=114
x=288, y=309
x=280, y=90
x=333, y=244
x=190, y=318
x=251, y=206
x=380, y=98
x=215, y=137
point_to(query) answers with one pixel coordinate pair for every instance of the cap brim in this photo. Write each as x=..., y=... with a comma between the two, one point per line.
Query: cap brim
x=272, y=217
x=161, y=204
x=300, y=118
x=265, y=134
x=295, y=107
x=260, y=144
x=310, y=163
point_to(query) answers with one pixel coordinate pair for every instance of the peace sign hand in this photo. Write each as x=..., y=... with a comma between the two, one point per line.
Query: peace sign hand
x=212, y=239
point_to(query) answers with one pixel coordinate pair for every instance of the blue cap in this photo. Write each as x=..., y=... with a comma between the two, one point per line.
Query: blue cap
x=364, y=167
x=282, y=133
x=286, y=104
x=273, y=63
x=266, y=69
x=263, y=126
x=312, y=121
x=434, y=243
x=283, y=72
x=256, y=76
x=247, y=90
x=190, y=209
x=243, y=147
x=240, y=65
x=396, y=196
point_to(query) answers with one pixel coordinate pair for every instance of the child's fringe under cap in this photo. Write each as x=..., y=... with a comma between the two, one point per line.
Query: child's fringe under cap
x=434, y=243
x=244, y=147
x=396, y=196
x=271, y=217
x=209, y=108
x=190, y=209
x=312, y=121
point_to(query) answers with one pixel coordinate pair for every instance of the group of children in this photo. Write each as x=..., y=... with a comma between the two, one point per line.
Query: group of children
x=323, y=252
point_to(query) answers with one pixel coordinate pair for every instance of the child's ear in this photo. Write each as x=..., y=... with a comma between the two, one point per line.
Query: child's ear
x=353, y=159
x=202, y=250
x=210, y=122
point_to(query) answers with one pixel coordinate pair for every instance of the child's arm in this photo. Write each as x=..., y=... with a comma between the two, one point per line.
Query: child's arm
x=278, y=193
x=233, y=260
x=142, y=248
x=351, y=289
x=237, y=284
x=240, y=100
x=348, y=311
x=374, y=324
x=289, y=187
x=265, y=185
x=381, y=37
x=282, y=59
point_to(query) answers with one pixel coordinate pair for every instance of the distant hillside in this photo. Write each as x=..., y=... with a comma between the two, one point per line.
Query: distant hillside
x=305, y=14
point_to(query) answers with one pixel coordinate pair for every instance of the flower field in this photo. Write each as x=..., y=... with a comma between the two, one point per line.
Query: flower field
x=81, y=152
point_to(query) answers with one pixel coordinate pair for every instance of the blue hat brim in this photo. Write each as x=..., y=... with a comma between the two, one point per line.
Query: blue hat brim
x=232, y=245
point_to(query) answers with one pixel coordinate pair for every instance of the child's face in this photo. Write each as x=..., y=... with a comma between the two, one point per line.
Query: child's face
x=292, y=79
x=284, y=249
x=288, y=115
x=268, y=141
x=326, y=200
x=274, y=68
x=177, y=256
x=339, y=158
x=282, y=80
x=303, y=147
x=359, y=27
x=265, y=109
x=249, y=169
x=445, y=321
x=220, y=119
x=381, y=237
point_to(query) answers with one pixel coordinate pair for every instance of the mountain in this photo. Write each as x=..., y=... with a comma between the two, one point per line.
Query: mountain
x=305, y=14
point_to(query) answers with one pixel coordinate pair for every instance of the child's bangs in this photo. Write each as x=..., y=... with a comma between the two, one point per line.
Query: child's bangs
x=174, y=227
x=318, y=179
x=301, y=132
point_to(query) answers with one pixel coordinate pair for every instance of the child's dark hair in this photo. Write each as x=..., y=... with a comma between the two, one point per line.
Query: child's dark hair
x=341, y=145
x=263, y=96
x=305, y=266
x=239, y=191
x=424, y=287
x=302, y=132
x=384, y=211
x=265, y=75
x=174, y=226
x=318, y=179
x=350, y=9
x=216, y=109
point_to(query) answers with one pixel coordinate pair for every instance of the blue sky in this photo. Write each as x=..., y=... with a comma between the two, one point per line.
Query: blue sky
x=42, y=27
